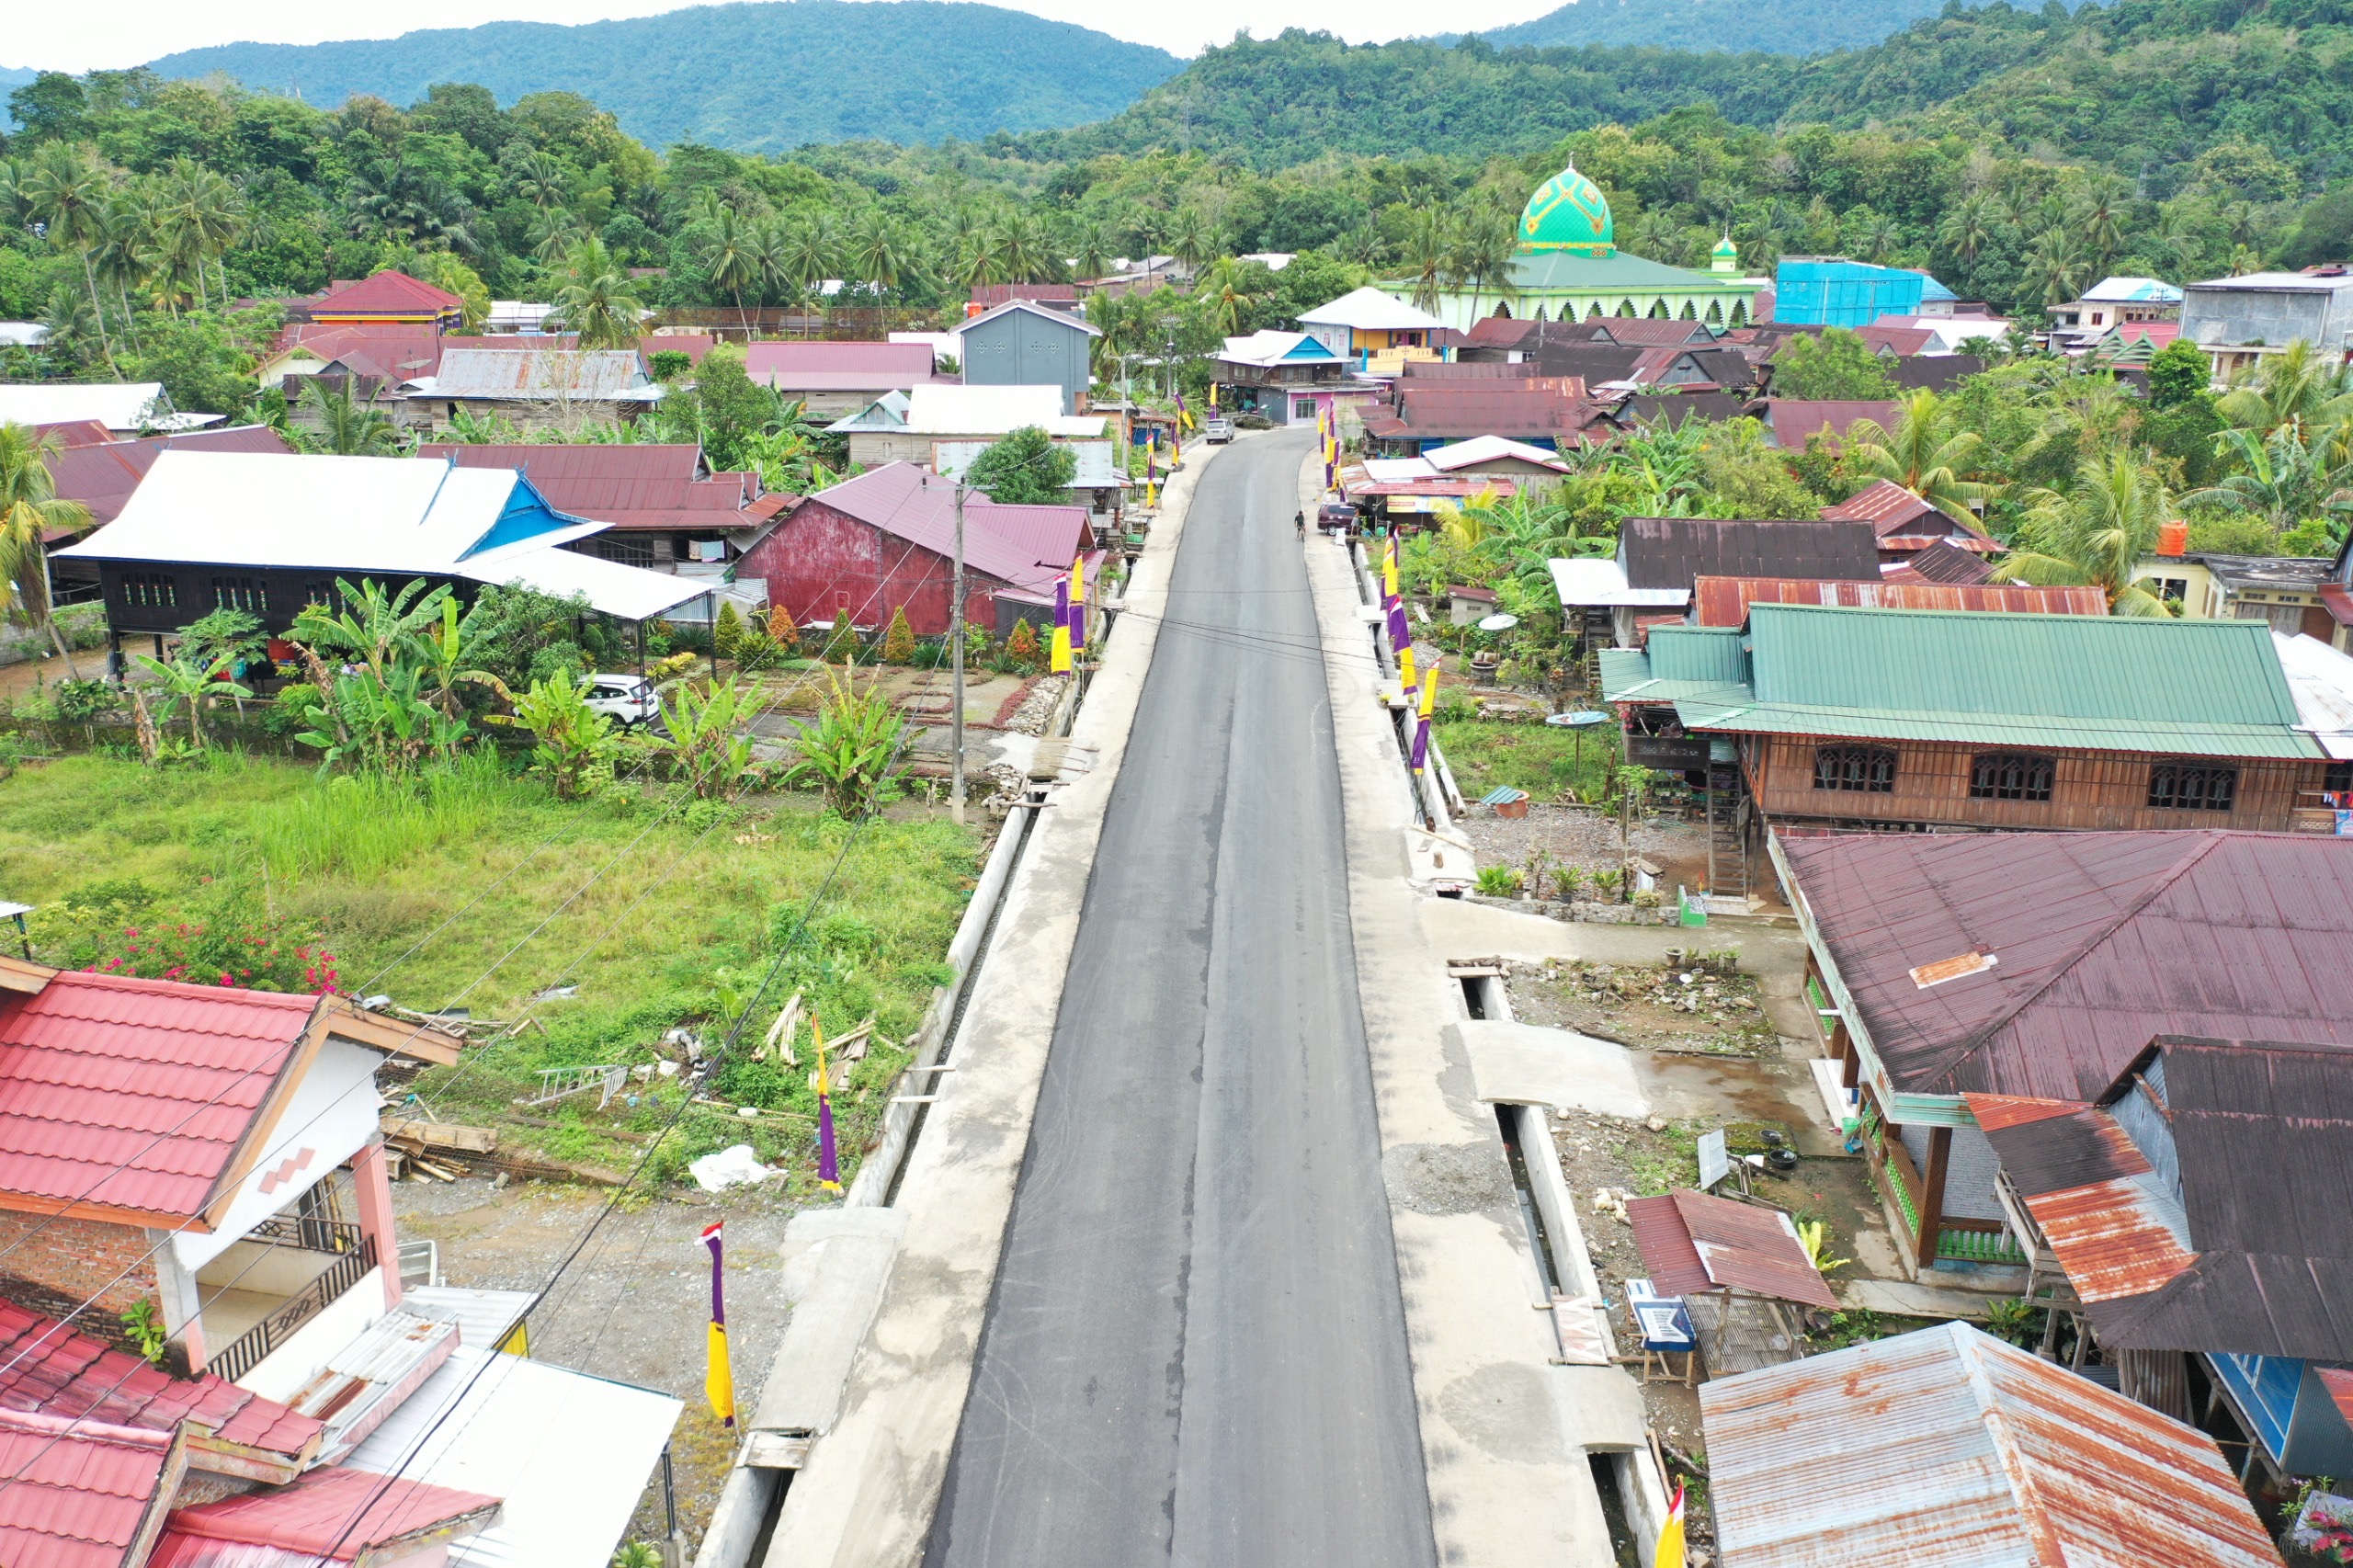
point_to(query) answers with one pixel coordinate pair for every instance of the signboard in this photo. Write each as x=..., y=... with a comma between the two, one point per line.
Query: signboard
x=1663, y=1322
x=1673, y=756
x=1715, y=1163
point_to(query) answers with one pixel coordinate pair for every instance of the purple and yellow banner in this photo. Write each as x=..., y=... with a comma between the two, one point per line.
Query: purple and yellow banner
x=718, y=1371
x=829, y=1170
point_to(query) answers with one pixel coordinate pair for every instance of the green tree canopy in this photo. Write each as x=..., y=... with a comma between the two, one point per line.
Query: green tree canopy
x=1023, y=469
x=1835, y=364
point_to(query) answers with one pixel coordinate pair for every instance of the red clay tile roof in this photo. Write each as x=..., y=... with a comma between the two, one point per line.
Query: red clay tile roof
x=386, y=293
x=53, y=1372
x=333, y=1513
x=2104, y=941
x=75, y=1496
x=134, y=1093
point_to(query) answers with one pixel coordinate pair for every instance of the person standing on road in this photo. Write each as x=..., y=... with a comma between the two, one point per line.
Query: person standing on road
x=1299, y=524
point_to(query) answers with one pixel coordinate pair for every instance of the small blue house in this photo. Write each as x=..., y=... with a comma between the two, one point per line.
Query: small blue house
x=1834, y=291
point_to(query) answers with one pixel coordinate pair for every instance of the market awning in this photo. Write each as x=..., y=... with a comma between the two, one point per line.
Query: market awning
x=569, y=1453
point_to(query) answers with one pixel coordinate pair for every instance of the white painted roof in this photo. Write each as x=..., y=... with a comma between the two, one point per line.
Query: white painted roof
x=2321, y=680
x=1371, y=310
x=1095, y=467
x=603, y=375
x=1271, y=347
x=570, y=1454
x=23, y=334
x=993, y=411
x=1604, y=583
x=1490, y=449
x=118, y=405
x=2154, y=291
x=1398, y=470
x=629, y=592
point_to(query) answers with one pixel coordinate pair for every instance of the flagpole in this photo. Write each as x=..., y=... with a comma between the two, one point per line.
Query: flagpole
x=956, y=665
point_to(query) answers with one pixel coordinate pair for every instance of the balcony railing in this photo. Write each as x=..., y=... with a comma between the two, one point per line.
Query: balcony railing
x=312, y=1235
x=252, y=1348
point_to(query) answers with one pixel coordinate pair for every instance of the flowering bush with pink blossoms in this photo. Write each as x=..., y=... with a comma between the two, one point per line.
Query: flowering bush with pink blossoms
x=260, y=956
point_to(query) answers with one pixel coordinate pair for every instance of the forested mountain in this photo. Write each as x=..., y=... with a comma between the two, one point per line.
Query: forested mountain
x=1777, y=27
x=759, y=77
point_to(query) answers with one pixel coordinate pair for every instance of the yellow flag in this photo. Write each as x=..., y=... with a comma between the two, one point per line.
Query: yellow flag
x=1670, y=1536
x=1429, y=690
x=1078, y=579
x=1060, y=663
x=1405, y=668
x=718, y=1373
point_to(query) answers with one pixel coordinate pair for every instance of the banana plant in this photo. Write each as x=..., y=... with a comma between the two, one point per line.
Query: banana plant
x=190, y=684
x=705, y=735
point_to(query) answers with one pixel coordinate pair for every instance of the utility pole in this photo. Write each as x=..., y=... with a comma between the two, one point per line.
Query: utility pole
x=956, y=665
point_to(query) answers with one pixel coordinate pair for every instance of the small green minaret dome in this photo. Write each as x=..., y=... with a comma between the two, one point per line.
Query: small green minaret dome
x=1568, y=213
x=1725, y=258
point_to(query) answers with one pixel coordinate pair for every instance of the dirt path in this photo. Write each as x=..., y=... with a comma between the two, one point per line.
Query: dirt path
x=634, y=1306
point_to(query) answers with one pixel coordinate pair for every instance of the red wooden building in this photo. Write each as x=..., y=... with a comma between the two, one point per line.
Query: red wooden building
x=880, y=541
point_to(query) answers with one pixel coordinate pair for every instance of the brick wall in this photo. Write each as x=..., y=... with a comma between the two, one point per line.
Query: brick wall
x=68, y=1261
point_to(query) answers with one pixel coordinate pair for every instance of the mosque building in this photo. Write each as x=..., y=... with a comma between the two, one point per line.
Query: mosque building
x=1569, y=268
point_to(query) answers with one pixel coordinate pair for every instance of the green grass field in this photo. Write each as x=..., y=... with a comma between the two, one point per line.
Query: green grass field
x=1544, y=761
x=471, y=889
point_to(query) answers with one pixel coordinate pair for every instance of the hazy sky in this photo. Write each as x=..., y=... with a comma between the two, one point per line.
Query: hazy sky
x=128, y=32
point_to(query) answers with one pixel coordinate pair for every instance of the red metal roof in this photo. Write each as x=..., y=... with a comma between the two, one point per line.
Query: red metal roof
x=134, y=1093
x=2338, y=1381
x=75, y=1495
x=630, y=485
x=1737, y=1247
x=1883, y=503
x=2338, y=602
x=53, y=1372
x=693, y=345
x=988, y=295
x=1724, y=601
x=1946, y=1448
x=386, y=293
x=75, y=433
x=2105, y=940
x=333, y=1513
x=1940, y=562
x=1025, y=547
x=840, y=367
x=1795, y=421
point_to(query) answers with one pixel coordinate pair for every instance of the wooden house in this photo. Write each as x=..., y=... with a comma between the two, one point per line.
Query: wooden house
x=386, y=299
x=1918, y=721
x=1906, y=525
x=881, y=542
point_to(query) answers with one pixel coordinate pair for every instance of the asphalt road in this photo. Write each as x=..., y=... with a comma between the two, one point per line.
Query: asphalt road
x=1196, y=1353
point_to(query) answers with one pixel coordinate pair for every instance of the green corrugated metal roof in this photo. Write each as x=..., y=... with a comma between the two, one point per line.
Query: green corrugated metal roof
x=1697, y=652
x=2014, y=667
x=1731, y=711
x=1621, y=668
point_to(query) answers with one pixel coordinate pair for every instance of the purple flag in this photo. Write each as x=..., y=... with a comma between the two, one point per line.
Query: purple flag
x=1421, y=742
x=1399, y=634
x=829, y=1170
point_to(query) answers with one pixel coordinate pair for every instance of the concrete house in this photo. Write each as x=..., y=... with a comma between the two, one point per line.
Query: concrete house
x=2237, y=321
x=1024, y=344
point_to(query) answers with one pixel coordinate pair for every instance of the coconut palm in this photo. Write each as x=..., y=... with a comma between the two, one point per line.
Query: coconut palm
x=876, y=253
x=30, y=511
x=1220, y=295
x=1191, y=238
x=346, y=428
x=1967, y=229
x=731, y=258
x=1486, y=243
x=1927, y=453
x=1090, y=248
x=66, y=191
x=806, y=254
x=593, y=298
x=2293, y=386
x=2059, y=265
x=1427, y=244
x=2097, y=534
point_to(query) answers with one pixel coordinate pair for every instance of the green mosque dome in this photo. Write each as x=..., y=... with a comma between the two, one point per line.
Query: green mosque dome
x=1725, y=258
x=1568, y=213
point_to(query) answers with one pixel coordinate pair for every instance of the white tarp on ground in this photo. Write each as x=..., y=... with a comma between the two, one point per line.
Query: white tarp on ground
x=568, y=1453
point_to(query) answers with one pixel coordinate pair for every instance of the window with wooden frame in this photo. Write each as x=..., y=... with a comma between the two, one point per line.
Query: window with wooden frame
x=1867, y=769
x=2009, y=776
x=240, y=593
x=2192, y=786
x=151, y=590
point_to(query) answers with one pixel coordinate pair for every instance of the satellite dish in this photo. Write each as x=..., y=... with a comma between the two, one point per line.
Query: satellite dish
x=1499, y=623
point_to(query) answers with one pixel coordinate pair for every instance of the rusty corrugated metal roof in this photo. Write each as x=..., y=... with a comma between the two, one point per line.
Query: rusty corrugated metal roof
x=1674, y=552
x=2106, y=940
x=1947, y=1449
x=1724, y=601
x=1693, y=1242
x=1942, y=563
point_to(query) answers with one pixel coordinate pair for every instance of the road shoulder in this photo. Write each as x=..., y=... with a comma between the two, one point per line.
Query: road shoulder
x=1504, y=1433
x=866, y=1496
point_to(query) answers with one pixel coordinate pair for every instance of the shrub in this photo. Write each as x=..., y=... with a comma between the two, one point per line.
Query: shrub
x=852, y=750
x=1498, y=881
x=246, y=955
x=1021, y=649
x=841, y=643
x=899, y=642
x=785, y=633
x=727, y=632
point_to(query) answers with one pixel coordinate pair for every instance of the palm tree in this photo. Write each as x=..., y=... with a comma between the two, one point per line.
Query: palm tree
x=1881, y=238
x=1486, y=245
x=346, y=429
x=1966, y=230
x=2102, y=219
x=66, y=191
x=1426, y=247
x=538, y=178
x=1023, y=243
x=2293, y=386
x=2097, y=534
x=1926, y=453
x=875, y=252
x=554, y=234
x=805, y=255
x=30, y=512
x=2057, y=266
x=1090, y=248
x=2279, y=477
x=729, y=256
x=191, y=684
x=593, y=298
x=1190, y=238
x=1220, y=295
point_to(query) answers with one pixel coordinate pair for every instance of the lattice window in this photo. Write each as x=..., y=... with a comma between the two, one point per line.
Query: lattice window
x=1867, y=769
x=2192, y=787
x=2010, y=775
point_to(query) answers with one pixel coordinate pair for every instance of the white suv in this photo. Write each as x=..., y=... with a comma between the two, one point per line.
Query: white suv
x=627, y=700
